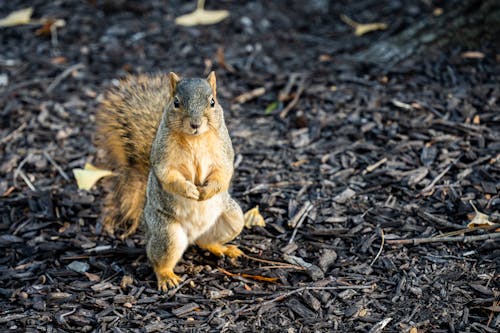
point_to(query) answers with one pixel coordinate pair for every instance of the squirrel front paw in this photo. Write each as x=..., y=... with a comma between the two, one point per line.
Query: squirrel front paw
x=209, y=190
x=191, y=191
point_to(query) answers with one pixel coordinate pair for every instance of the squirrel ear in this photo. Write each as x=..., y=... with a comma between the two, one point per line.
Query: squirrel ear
x=212, y=81
x=174, y=79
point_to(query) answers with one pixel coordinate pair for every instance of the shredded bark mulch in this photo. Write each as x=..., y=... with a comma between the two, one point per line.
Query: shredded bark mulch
x=367, y=176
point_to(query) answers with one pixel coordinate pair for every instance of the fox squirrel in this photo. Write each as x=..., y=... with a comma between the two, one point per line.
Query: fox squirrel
x=167, y=140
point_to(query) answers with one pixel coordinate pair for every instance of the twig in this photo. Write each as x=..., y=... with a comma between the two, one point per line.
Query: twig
x=287, y=294
x=26, y=180
x=58, y=168
x=16, y=87
x=461, y=239
x=13, y=133
x=374, y=166
x=379, y=327
x=466, y=230
x=295, y=100
x=276, y=263
x=381, y=247
x=439, y=221
x=18, y=171
x=428, y=189
x=249, y=95
x=298, y=219
x=63, y=75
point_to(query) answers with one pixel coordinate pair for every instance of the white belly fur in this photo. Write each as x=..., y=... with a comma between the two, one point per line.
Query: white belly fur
x=196, y=217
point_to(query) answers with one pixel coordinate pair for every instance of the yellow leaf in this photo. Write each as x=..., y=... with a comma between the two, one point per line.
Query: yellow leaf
x=361, y=29
x=87, y=177
x=18, y=17
x=201, y=16
x=480, y=220
x=253, y=217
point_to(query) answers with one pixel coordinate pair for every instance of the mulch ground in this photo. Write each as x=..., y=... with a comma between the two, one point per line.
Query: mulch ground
x=344, y=159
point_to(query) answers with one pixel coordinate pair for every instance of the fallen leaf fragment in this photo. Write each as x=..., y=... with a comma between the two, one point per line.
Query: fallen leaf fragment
x=48, y=26
x=127, y=281
x=18, y=17
x=480, y=220
x=363, y=28
x=87, y=177
x=271, y=107
x=201, y=16
x=253, y=218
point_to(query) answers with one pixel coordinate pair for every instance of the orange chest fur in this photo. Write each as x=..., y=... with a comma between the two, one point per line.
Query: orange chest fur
x=195, y=156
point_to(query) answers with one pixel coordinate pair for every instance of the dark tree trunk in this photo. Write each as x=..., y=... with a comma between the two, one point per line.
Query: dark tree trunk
x=471, y=23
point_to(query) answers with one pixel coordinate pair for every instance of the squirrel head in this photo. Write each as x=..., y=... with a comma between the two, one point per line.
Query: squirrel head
x=193, y=108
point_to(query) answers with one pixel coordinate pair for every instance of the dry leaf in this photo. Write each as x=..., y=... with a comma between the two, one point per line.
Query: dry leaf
x=18, y=17
x=48, y=26
x=360, y=28
x=253, y=217
x=480, y=220
x=201, y=16
x=89, y=176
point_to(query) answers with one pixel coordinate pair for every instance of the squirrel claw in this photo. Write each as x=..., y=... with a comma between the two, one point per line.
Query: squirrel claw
x=169, y=281
x=220, y=250
x=207, y=191
x=191, y=191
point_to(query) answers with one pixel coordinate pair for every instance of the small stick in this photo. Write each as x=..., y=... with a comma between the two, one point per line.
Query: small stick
x=287, y=294
x=249, y=95
x=276, y=263
x=13, y=133
x=461, y=239
x=58, y=168
x=372, y=167
x=19, y=172
x=63, y=75
x=381, y=247
x=439, y=221
x=27, y=181
x=295, y=99
x=428, y=189
x=302, y=216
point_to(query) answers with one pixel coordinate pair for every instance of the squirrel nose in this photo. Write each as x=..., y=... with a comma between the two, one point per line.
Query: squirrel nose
x=195, y=125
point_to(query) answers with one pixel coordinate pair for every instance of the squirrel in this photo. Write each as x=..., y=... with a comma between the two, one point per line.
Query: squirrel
x=166, y=139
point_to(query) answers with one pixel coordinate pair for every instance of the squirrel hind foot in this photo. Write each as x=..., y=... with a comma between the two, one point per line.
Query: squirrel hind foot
x=230, y=251
x=167, y=281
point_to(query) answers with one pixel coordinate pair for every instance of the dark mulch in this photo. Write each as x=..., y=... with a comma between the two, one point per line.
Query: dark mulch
x=364, y=153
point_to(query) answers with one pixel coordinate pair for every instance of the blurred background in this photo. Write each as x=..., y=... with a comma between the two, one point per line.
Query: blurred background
x=354, y=123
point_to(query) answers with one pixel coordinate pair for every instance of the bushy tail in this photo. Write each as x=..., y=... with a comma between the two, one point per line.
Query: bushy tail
x=127, y=121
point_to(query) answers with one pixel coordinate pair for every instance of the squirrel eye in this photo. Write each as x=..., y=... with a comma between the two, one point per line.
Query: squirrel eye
x=176, y=103
x=212, y=103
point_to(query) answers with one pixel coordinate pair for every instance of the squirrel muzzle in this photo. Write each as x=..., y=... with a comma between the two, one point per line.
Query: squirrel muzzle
x=196, y=125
